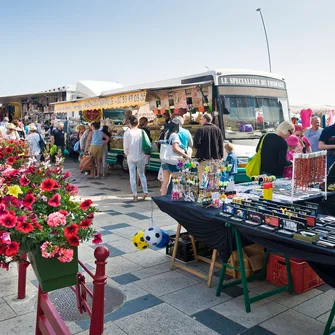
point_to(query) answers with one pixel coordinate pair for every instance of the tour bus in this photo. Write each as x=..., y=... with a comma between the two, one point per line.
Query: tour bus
x=244, y=104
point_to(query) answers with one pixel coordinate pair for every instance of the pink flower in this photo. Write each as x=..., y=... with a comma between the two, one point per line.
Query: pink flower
x=65, y=255
x=55, y=201
x=67, y=175
x=5, y=238
x=3, y=210
x=56, y=219
x=49, y=250
x=72, y=190
x=24, y=181
x=97, y=239
x=10, y=172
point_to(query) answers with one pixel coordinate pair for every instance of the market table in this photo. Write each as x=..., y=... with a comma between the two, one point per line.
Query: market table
x=203, y=225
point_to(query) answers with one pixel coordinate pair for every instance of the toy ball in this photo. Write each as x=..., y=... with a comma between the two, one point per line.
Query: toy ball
x=165, y=240
x=153, y=236
x=139, y=242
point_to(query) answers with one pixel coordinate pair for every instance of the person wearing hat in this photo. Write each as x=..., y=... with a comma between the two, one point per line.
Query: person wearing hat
x=292, y=143
x=34, y=142
x=304, y=145
x=11, y=132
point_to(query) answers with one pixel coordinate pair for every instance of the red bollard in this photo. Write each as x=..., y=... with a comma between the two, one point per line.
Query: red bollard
x=101, y=254
x=22, y=278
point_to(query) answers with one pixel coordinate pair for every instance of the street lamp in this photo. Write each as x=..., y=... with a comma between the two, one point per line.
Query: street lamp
x=266, y=36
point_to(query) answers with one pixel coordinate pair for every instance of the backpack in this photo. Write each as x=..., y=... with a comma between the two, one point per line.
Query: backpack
x=41, y=144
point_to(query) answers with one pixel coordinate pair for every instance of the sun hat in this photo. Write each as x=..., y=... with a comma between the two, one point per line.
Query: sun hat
x=32, y=127
x=292, y=141
x=11, y=126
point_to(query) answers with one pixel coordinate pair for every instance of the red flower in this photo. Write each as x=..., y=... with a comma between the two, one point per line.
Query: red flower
x=64, y=212
x=8, y=150
x=72, y=190
x=12, y=249
x=10, y=160
x=21, y=219
x=86, y=204
x=85, y=223
x=73, y=240
x=3, y=210
x=24, y=181
x=90, y=216
x=71, y=230
x=29, y=201
x=54, y=201
x=48, y=185
x=25, y=227
x=2, y=155
x=97, y=239
x=67, y=175
x=8, y=221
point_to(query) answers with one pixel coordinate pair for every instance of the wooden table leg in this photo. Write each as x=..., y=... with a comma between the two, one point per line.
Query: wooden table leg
x=194, y=247
x=175, y=247
x=211, y=268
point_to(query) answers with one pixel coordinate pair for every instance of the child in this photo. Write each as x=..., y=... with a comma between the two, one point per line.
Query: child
x=231, y=158
x=292, y=142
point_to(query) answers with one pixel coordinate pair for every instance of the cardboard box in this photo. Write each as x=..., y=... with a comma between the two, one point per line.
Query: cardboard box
x=253, y=261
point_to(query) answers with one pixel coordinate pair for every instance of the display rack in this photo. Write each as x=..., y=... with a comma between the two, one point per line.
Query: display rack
x=309, y=169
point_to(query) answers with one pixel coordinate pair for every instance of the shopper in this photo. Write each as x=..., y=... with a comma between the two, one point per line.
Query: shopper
x=20, y=131
x=34, y=142
x=83, y=139
x=313, y=134
x=274, y=149
x=58, y=137
x=4, y=122
x=106, y=148
x=327, y=142
x=95, y=146
x=185, y=136
x=304, y=145
x=132, y=147
x=172, y=138
x=231, y=159
x=292, y=142
x=12, y=134
x=208, y=141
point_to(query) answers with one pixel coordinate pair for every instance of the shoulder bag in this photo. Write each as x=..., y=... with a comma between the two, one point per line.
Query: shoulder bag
x=253, y=168
x=167, y=155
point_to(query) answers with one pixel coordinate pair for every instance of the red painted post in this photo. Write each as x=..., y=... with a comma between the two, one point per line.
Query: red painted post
x=39, y=311
x=22, y=278
x=101, y=254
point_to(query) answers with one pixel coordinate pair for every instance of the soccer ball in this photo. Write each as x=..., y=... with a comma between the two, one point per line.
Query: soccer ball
x=153, y=236
x=165, y=240
x=139, y=242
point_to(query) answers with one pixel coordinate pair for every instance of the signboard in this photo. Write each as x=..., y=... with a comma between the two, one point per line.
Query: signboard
x=252, y=81
x=112, y=102
x=180, y=99
x=196, y=97
x=164, y=97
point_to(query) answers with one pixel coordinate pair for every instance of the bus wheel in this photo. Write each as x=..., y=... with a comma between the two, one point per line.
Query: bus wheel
x=124, y=164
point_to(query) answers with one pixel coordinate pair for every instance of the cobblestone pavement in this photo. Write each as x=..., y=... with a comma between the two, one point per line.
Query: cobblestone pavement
x=160, y=301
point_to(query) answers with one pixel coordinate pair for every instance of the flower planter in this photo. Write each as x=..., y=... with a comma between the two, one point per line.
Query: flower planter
x=51, y=273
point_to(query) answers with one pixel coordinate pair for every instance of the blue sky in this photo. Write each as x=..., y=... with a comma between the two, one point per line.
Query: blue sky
x=45, y=44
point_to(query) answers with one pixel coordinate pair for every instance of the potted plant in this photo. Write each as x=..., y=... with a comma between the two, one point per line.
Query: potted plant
x=39, y=216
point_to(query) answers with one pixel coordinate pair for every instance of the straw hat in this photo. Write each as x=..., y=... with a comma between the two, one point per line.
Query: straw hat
x=11, y=126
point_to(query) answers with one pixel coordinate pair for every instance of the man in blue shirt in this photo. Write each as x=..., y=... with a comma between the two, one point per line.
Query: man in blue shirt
x=313, y=134
x=231, y=158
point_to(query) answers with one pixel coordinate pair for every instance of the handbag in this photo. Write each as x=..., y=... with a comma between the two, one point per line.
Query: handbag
x=86, y=163
x=253, y=168
x=167, y=155
x=146, y=144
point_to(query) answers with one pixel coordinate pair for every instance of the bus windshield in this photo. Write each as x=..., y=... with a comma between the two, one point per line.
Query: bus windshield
x=250, y=117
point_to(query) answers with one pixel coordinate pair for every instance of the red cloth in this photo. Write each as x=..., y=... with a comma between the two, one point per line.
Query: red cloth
x=305, y=115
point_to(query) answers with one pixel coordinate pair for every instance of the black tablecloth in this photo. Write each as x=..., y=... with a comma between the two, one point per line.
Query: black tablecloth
x=322, y=260
x=200, y=222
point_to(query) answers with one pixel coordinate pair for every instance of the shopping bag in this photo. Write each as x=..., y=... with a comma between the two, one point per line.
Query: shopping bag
x=146, y=144
x=167, y=155
x=53, y=150
x=86, y=163
x=253, y=168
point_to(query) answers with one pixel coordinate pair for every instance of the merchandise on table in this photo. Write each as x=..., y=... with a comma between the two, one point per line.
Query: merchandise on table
x=300, y=222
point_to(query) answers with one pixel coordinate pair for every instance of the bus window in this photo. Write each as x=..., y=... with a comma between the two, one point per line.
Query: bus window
x=249, y=117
